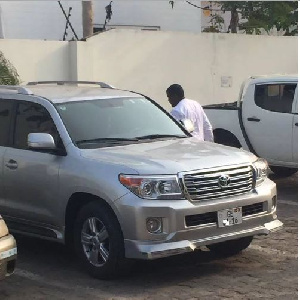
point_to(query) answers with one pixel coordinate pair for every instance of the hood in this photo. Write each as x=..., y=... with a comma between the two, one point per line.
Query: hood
x=170, y=156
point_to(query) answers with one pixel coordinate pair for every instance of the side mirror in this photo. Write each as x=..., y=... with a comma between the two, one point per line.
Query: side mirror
x=41, y=141
x=188, y=125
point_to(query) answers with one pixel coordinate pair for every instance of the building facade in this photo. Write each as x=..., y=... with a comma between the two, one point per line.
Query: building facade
x=46, y=20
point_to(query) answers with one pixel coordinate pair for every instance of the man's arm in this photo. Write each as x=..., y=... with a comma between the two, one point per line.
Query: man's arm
x=177, y=114
x=207, y=129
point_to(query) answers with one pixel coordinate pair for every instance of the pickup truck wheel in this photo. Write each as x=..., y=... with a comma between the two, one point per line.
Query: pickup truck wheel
x=232, y=247
x=282, y=171
x=98, y=241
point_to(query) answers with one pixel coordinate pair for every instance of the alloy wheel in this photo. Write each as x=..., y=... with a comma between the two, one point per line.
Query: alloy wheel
x=95, y=241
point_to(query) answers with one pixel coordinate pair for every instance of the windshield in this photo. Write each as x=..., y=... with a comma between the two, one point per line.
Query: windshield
x=108, y=122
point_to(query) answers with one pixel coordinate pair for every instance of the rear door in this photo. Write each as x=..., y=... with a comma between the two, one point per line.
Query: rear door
x=295, y=128
x=269, y=120
x=6, y=110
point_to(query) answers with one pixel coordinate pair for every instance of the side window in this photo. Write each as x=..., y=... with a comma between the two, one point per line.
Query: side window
x=275, y=97
x=6, y=107
x=32, y=118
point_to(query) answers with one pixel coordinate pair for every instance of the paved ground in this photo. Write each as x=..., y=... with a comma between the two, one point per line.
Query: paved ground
x=266, y=270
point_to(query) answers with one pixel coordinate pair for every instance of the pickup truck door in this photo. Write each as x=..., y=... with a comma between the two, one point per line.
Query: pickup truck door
x=30, y=177
x=295, y=127
x=268, y=120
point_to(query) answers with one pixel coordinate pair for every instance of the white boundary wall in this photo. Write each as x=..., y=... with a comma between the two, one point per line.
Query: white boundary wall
x=148, y=62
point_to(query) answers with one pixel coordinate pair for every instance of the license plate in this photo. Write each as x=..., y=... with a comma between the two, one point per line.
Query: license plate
x=230, y=217
x=8, y=253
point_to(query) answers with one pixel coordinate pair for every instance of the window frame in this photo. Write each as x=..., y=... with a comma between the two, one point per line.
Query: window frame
x=280, y=84
x=57, y=151
x=11, y=122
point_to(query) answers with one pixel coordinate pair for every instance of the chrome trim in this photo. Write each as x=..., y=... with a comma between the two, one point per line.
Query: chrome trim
x=195, y=184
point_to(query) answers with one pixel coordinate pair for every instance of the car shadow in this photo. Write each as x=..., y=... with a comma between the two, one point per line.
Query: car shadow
x=45, y=257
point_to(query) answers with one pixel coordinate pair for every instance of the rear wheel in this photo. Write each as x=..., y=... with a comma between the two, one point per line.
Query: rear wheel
x=98, y=241
x=232, y=247
x=282, y=171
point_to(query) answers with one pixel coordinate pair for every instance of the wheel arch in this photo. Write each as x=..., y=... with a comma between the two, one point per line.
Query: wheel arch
x=75, y=203
x=226, y=137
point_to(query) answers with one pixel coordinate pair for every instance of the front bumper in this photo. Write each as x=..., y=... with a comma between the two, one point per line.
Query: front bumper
x=177, y=237
x=8, y=255
x=142, y=250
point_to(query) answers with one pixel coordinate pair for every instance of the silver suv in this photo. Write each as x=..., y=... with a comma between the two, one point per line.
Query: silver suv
x=114, y=175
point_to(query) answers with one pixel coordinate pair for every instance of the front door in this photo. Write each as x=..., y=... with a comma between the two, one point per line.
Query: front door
x=31, y=177
x=268, y=120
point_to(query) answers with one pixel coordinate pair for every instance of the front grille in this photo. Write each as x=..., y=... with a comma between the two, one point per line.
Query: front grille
x=212, y=217
x=211, y=184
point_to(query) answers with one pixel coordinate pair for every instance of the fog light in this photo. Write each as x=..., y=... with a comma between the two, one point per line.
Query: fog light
x=154, y=225
x=274, y=202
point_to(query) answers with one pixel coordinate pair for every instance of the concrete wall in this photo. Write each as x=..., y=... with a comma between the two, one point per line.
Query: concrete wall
x=150, y=61
x=38, y=60
x=210, y=67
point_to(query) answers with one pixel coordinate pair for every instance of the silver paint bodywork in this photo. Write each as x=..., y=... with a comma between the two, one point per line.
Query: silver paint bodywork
x=38, y=190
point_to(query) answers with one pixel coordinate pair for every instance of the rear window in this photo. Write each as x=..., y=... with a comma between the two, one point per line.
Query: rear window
x=6, y=108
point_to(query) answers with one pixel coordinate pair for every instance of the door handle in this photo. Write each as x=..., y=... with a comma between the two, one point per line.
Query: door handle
x=253, y=119
x=12, y=164
x=296, y=124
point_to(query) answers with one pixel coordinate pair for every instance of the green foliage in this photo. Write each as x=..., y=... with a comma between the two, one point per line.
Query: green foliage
x=265, y=15
x=216, y=23
x=8, y=73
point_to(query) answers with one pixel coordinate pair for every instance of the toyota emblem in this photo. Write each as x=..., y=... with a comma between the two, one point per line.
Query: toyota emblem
x=224, y=181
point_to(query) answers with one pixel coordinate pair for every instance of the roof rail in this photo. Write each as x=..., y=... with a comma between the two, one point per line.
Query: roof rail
x=101, y=84
x=18, y=89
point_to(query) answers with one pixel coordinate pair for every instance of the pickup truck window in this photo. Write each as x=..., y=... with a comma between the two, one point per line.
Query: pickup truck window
x=275, y=97
x=99, y=122
x=6, y=107
x=32, y=118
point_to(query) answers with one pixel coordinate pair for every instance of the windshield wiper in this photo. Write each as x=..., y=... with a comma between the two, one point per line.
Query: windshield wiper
x=158, y=136
x=104, y=140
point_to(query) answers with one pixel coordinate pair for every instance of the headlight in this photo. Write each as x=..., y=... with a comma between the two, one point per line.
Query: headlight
x=261, y=170
x=152, y=187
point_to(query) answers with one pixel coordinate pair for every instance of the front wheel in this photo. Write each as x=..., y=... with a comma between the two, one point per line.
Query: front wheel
x=98, y=241
x=232, y=247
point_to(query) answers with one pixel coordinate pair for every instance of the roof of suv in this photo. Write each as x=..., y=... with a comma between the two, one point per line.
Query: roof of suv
x=59, y=94
x=68, y=93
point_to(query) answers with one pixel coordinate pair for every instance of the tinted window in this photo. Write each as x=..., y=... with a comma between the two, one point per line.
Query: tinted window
x=32, y=118
x=275, y=97
x=6, y=107
x=115, y=118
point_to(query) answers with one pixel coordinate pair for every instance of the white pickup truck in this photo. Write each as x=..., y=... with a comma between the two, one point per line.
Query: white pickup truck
x=264, y=121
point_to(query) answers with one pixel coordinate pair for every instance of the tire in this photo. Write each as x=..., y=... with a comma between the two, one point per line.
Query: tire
x=98, y=241
x=282, y=171
x=230, y=248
